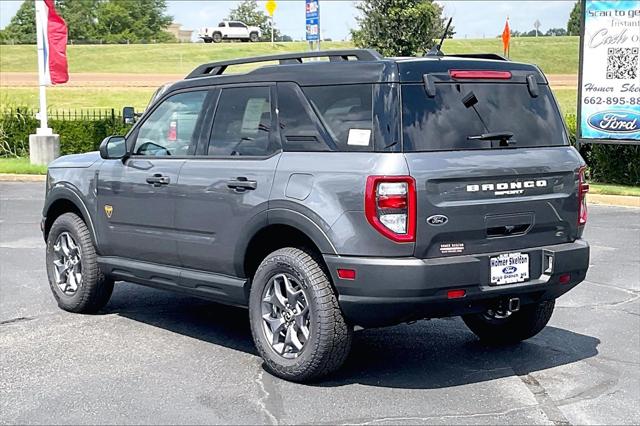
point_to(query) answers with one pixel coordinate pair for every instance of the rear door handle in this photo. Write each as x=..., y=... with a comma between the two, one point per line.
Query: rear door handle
x=158, y=180
x=242, y=184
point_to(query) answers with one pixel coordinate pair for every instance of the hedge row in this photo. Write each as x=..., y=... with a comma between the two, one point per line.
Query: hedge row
x=617, y=164
x=75, y=135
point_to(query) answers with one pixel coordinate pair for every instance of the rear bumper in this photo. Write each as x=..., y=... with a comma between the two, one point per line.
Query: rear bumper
x=388, y=291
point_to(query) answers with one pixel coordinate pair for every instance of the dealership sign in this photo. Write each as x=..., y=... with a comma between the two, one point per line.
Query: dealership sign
x=313, y=20
x=609, y=92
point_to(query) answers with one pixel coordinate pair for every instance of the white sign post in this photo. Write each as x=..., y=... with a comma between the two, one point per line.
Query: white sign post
x=41, y=17
x=44, y=146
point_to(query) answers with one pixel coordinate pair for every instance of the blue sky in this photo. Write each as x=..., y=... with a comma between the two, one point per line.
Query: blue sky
x=472, y=19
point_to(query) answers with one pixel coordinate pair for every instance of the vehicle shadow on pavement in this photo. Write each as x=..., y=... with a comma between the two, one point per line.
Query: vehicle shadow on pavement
x=425, y=355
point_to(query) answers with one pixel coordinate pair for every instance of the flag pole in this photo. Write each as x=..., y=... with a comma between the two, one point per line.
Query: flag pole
x=44, y=129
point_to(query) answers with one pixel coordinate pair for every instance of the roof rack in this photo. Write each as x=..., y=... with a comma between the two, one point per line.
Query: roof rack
x=218, y=68
x=493, y=56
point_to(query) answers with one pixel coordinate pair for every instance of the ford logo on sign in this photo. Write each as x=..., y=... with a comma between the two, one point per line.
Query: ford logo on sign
x=615, y=121
x=509, y=269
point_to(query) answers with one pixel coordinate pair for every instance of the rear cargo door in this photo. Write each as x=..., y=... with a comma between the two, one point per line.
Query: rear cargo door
x=493, y=168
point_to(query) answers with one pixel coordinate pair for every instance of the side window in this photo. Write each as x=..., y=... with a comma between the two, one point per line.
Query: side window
x=242, y=123
x=222, y=24
x=236, y=25
x=346, y=112
x=172, y=128
x=298, y=130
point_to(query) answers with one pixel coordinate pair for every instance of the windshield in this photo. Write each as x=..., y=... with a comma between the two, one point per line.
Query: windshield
x=498, y=112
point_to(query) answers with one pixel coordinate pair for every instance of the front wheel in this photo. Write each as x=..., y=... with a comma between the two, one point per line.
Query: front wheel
x=217, y=37
x=254, y=37
x=75, y=279
x=296, y=323
x=514, y=327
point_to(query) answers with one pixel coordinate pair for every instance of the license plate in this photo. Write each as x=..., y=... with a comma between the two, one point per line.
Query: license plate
x=509, y=268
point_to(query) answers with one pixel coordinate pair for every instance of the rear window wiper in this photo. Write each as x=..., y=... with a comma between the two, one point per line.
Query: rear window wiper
x=503, y=137
x=495, y=136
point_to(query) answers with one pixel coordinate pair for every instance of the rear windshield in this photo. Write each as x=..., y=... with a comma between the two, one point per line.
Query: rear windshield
x=444, y=122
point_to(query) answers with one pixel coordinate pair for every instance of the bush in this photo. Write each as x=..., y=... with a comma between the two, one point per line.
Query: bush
x=81, y=135
x=619, y=164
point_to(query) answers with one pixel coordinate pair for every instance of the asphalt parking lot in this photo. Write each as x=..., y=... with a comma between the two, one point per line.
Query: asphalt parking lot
x=158, y=357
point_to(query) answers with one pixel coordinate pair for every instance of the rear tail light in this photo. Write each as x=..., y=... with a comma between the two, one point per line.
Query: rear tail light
x=390, y=206
x=480, y=75
x=583, y=189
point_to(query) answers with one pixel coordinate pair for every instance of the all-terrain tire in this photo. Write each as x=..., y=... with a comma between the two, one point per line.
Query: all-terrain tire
x=330, y=336
x=94, y=289
x=519, y=326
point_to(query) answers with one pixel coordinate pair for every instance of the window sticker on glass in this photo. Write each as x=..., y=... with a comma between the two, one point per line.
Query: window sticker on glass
x=359, y=137
x=252, y=115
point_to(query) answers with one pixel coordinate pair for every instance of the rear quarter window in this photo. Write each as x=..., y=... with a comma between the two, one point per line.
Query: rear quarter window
x=346, y=113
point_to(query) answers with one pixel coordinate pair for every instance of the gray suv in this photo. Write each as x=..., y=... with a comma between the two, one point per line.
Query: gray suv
x=327, y=196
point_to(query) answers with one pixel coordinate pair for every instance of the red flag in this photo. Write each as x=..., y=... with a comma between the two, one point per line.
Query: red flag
x=506, y=37
x=55, y=45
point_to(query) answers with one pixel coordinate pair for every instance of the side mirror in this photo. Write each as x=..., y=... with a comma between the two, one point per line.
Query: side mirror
x=113, y=148
x=128, y=115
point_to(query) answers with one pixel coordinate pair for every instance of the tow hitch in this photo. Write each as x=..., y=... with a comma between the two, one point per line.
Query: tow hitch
x=514, y=304
x=504, y=308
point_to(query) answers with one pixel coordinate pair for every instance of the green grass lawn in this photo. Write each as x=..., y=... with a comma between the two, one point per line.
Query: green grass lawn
x=20, y=166
x=567, y=98
x=606, y=189
x=61, y=97
x=555, y=55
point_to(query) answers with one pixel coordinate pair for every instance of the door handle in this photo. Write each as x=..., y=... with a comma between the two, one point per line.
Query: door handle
x=158, y=180
x=241, y=184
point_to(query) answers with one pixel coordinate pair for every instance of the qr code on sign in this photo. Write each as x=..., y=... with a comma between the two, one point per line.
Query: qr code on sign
x=622, y=63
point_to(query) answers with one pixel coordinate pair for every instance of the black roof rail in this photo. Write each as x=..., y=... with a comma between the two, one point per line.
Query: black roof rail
x=218, y=68
x=493, y=56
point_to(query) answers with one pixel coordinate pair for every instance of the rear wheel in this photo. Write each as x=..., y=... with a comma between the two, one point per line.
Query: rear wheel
x=253, y=37
x=296, y=322
x=72, y=268
x=501, y=328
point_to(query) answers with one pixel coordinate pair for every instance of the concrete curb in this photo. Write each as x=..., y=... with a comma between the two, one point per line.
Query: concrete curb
x=610, y=200
x=13, y=177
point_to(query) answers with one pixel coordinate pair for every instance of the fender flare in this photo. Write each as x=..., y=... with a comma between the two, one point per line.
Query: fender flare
x=304, y=223
x=70, y=193
x=280, y=216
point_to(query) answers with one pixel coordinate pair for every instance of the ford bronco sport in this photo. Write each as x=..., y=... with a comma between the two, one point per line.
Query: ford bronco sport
x=325, y=196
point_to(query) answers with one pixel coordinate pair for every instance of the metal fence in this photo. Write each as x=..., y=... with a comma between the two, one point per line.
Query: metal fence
x=70, y=114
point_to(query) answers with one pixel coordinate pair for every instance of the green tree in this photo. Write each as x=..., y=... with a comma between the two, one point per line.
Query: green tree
x=22, y=27
x=249, y=13
x=575, y=20
x=81, y=17
x=143, y=21
x=399, y=27
x=556, y=32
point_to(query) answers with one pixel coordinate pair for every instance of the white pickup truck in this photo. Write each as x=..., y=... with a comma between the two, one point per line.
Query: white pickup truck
x=230, y=30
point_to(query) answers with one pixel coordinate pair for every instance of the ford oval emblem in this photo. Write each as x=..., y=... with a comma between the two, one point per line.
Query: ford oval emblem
x=437, y=220
x=615, y=121
x=509, y=269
